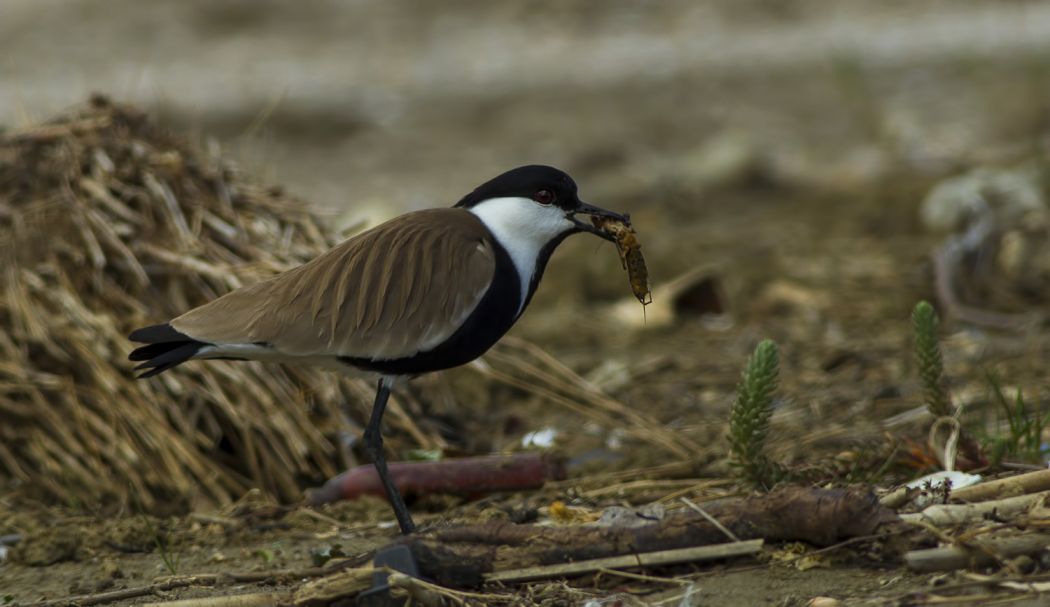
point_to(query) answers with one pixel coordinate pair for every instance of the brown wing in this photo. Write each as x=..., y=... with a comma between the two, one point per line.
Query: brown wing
x=398, y=289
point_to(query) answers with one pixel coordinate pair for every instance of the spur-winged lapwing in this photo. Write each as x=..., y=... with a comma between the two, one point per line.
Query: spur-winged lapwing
x=425, y=291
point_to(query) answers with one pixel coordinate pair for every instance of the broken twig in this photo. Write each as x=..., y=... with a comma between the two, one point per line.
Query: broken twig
x=984, y=552
x=185, y=581
x=956, y=514
x=255, y=599
x=648, y=559
x=1004, y=487
x=462, y=556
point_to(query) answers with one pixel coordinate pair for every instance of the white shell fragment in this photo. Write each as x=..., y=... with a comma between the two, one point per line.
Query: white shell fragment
x=932, y=484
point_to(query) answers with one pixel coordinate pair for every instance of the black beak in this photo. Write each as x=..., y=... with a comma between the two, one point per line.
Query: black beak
x=586, y=226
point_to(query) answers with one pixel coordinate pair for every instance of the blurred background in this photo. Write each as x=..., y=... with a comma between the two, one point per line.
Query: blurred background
x=364, y=105
x=781, y=161
x=800, y=170
x=774, y=155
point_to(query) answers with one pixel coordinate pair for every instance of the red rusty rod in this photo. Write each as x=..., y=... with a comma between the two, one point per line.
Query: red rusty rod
x=467, y=476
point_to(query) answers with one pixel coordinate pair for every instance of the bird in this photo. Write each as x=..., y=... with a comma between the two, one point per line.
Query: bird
x=425, y=291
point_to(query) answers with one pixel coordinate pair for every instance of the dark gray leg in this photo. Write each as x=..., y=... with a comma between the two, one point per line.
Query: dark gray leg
x=374, y=446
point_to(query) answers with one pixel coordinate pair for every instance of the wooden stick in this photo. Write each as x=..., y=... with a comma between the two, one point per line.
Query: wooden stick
x=100, y=598
x=956, y=514
x=645, y=578
x=426, y=593
x=183, y=581
x=899, y=497
x=648, y=559
x=949, y=558
x=329, y=589
x=255, y=599
x=688, y=502
x=461, y=556
x=1004, y=487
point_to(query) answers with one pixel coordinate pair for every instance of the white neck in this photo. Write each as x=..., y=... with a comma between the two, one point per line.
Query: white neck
x=523, y=227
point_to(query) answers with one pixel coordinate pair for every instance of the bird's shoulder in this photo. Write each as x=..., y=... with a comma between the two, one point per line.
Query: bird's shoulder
x=443, y=226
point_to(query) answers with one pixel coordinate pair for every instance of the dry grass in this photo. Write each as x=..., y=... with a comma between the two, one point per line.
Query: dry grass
x=524, y=365
x=108, y=223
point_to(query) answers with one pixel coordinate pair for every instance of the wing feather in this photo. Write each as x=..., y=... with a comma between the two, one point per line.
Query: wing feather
x=391, y=292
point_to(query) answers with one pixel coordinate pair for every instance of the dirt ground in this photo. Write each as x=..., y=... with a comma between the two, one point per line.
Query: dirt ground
x=793, y=185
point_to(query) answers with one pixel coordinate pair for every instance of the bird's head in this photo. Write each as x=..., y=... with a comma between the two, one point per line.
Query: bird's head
x=534, y=202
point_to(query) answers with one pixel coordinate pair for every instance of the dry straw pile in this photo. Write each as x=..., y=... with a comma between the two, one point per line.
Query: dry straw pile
x=107, y=223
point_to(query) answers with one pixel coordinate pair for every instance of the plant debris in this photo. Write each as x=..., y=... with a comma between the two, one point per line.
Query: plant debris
x=641, y=416
x=107, y=222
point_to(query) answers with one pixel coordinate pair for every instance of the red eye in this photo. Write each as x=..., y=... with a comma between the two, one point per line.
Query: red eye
x=544, y=197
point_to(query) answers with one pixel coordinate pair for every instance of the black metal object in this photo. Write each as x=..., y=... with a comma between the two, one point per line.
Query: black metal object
x=397, y=557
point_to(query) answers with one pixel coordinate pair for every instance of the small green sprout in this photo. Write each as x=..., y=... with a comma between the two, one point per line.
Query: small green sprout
x=750, y=417
x=928, y=355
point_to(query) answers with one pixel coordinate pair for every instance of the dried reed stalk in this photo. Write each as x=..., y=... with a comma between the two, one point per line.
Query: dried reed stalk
x=107, y=223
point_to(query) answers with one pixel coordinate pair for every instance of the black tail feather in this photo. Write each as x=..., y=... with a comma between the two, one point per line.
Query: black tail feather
x=152, y=350
x=165, y=348
x=157, y=334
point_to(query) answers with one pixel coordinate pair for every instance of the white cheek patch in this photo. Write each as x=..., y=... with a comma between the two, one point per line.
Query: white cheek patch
x=523, y=227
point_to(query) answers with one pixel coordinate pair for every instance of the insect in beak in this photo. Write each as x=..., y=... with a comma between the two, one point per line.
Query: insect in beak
x=586, y=226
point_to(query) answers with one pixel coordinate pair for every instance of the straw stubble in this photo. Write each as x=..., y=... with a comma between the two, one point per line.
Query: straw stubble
x=107, y=223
